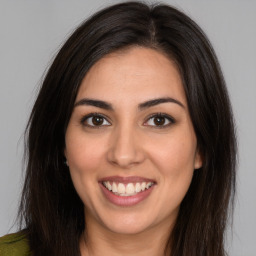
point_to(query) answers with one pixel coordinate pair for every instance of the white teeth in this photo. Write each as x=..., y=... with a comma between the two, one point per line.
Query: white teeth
x=137, y=187
x=114, y=187
x=129, y=189
x=109, y=186
x=121, y=188
x=148, y=185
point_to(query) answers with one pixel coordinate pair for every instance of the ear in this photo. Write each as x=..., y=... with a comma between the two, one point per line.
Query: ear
x=198, y=162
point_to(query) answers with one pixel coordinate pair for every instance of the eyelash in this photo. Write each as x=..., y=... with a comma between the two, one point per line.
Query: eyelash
x=84, y=119
x=170, y=119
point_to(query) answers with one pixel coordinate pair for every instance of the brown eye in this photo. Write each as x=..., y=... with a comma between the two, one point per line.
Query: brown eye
x=97, y=120
x=94, y=120
x=159, y=121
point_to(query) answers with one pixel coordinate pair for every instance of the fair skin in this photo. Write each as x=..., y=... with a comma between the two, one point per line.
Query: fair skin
x=112, y=133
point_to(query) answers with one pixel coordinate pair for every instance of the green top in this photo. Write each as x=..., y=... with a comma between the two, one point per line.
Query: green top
x=14, y=245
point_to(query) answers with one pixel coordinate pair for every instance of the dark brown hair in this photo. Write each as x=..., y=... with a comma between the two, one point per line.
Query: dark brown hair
x=51, y=211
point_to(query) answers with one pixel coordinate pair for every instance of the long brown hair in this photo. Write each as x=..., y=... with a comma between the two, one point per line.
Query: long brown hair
x=51, y=212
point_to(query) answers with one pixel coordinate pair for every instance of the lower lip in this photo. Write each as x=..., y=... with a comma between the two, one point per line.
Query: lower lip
x=126, y=200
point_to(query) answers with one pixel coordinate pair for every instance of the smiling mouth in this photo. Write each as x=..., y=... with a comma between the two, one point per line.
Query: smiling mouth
x=127, y=189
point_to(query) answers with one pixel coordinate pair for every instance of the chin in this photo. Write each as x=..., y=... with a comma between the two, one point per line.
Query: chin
x=128, y=229
x=128, y=224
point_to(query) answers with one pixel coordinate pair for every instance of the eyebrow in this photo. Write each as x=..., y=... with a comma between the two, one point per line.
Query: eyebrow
x=155, y=102
x=142, y=106
x=95, y=103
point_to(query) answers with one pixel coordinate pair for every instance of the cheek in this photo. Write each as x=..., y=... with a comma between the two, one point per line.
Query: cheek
x=175, y=163
x=84, y=154
x=175, y=155
x=174, y=159
x=85, y=157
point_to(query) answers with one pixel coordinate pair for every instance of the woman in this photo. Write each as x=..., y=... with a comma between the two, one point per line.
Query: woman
x=130, y=145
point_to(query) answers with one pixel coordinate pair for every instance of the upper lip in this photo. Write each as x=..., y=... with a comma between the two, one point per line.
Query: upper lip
x=125, y=180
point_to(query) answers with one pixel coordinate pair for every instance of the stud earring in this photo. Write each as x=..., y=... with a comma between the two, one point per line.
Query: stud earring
x=66, y=162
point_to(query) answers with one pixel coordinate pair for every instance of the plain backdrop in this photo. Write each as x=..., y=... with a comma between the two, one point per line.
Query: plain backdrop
x=32, y=31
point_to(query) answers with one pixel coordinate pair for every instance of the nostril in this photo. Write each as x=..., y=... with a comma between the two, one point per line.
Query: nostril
x=125, y=157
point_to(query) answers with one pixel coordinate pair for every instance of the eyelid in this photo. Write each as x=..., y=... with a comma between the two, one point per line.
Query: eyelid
x=160, y=114
x=154, y=115
x=86, y=117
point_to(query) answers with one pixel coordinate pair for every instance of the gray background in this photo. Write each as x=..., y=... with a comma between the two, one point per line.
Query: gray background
x=32, y=31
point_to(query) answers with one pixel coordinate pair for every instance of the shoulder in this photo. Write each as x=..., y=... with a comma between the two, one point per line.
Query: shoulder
x=14, y=245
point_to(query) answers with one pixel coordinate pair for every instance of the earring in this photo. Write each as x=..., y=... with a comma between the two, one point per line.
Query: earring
x=66, y=162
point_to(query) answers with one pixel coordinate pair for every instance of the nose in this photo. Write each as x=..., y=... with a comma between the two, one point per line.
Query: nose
x=125, y=148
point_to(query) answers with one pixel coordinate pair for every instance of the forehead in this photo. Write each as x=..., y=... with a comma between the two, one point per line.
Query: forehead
x=136, y=73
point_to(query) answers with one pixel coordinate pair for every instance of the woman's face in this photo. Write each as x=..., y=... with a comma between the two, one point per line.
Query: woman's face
x=130, y=143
